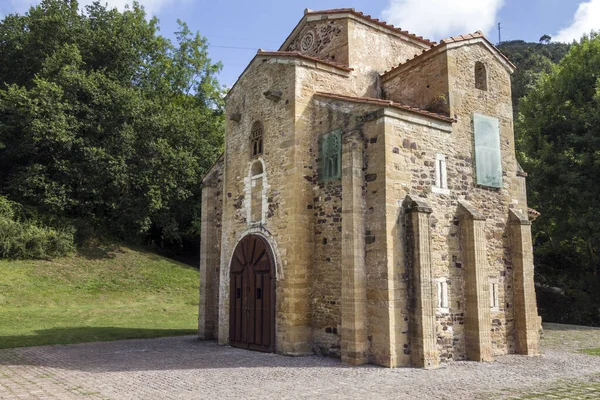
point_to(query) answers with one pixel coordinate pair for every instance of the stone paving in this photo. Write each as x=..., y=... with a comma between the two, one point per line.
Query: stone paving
x=185, y=368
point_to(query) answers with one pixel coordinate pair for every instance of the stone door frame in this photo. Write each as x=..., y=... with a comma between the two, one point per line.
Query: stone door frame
x=224, y=295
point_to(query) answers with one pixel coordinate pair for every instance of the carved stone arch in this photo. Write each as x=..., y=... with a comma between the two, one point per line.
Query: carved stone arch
x=226, y=261
x=252, y=295
x=257, y=168
x=268, y=237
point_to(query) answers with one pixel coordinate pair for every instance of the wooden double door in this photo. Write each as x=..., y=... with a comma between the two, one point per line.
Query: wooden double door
x=252, y=296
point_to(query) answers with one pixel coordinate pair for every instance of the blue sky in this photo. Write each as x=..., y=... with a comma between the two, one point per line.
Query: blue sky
x=237, y=28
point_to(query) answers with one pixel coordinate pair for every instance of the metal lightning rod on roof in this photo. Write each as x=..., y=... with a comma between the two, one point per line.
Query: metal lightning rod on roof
x=499, y=32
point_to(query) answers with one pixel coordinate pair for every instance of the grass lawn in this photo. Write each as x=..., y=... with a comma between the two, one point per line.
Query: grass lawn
x=98, y=294
x=591, y=352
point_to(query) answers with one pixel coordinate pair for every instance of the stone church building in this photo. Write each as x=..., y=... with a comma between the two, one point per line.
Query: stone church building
x=369, y=205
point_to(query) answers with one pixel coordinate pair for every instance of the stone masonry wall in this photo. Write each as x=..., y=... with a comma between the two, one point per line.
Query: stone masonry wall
x=411, y=150
x=422, y=83
x=278, y=140
x=327, y=207
x=465, y=99
x=210, y=246
x=494, y=204
x=327, y=273
x=374, y=51
x=289, y=159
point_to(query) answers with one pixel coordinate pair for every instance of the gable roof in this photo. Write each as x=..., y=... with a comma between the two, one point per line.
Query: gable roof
x=361, y=16
x=477, y=35
x=341, y=69
x=385, y=103
x=452, y=42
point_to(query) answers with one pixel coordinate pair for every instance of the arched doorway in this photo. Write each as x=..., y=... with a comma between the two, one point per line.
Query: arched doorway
x=252, y=295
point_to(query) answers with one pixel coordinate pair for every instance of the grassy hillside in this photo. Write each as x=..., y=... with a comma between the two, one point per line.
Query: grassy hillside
x=102, y=293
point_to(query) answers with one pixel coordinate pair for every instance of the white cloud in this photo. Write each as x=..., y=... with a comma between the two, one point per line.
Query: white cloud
x=439, y=19
x=151, y=6
x=586, y=19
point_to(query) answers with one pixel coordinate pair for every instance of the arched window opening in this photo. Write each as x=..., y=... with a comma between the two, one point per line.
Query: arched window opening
x=257, y=168
x=480, y=76
x=256, y=139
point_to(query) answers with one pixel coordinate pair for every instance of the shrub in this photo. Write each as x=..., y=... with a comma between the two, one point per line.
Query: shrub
x=23, y=237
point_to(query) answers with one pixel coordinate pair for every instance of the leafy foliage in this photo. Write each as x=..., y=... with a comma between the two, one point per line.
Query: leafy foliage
x=559, y=143
x=104, y=122
x=22, y=236
x=531, y=60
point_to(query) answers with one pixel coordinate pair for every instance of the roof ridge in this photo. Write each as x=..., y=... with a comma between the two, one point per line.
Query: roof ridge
x=374, y=20
x=389, y=103
x=285, y=53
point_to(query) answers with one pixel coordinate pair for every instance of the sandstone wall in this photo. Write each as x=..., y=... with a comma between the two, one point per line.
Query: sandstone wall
x=326, y=266
x=323, y=200
x=374, y=51
x=289, y=159
x=422, y=83
x=280, y=225
x=210, y=251
x=494, y=204
x=410, y=152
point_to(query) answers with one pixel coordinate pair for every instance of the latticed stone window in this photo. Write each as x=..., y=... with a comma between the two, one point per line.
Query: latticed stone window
x=256, y=139
x=480, y=76
x=330, y=156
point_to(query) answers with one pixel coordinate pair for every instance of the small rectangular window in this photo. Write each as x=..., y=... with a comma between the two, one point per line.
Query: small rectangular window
x=494, y=301
x=442, y=295
x=441, y=175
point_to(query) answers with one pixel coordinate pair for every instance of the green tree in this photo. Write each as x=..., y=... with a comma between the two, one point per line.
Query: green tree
x=559, y=143
x=531, y=60
x=105, y=123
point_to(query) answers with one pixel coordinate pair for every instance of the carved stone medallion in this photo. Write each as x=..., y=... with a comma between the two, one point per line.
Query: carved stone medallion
x=307, y=41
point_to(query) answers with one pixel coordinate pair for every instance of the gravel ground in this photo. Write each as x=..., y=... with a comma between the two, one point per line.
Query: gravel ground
x=184, y=368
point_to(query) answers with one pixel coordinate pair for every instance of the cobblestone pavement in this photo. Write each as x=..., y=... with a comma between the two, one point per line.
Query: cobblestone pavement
x=184, y=368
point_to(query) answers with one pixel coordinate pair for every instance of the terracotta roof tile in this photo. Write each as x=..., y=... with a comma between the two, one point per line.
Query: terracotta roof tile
x=373, y=20
x=385, y=103
x=305, y=56
x=476, y=35
x=454, y=39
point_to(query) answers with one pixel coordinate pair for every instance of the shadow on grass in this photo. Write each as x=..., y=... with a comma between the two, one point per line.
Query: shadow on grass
x=100, y=251
x=109, y=251
x=166, y=353
x=551, y=326
x=77, y=335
